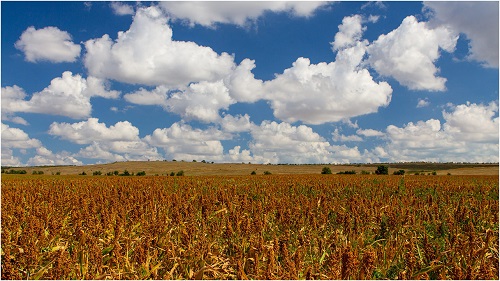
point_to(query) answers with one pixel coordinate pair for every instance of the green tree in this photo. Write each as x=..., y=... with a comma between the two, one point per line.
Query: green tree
x=382, y=170
x=326, y=171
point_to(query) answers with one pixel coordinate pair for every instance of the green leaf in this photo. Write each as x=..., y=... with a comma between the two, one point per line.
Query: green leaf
x=426, y=269
x=107, y=250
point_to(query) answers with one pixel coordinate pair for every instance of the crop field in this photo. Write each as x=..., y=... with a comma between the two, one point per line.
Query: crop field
x=250, y=227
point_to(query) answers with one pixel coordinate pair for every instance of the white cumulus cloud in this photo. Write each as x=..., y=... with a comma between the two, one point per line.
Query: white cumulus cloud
x=68, y=95
x=350, y=32
x=200, y=101
x=242, y=85
x=469, y=134
x=338, y=137
x=239, y=123
x=16, y=139
x=48, y=44
x=114, y=143
x=478, y=20
x=121, y=9
x=46, y=157
x=423, y=103
x=182, y=142
x=409, y=52
x=147, y=54
x=208, y=13
x=327, y=92
x=473, y=122
x=369, y=133
x=274, y=142
x=157, y=96
x=91, y=130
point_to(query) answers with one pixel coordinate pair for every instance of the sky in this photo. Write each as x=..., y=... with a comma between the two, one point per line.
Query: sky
x=260, y=82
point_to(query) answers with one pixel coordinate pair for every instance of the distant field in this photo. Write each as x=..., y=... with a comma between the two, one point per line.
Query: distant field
x=199, y=168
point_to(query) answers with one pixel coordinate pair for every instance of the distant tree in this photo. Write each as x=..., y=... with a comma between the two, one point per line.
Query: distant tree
x=267, y=173
x=143, y=173
x=400, y=172
x=347, y=172
x=172, y=174
x=326, y=171
x=194, y=160
x=382, y=170
x=97, y=173
x=180, y=173
x=253, y=173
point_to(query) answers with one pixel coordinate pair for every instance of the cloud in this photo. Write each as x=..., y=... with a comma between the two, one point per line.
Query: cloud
x=157, y=96
x=121, y=9
x=234, y=124
x=283, y=143
x=146, y=54
x=137, y=150
x=369, y=133
x=47, y=44
x=238, y=13
x=11, y=95
x=477, y=20
x=473, y=122
x=408, y=54
x=469, y=134
x=114, y=143
x=46, y=157
x=337, y=137
x=242, y=85
x=91, y=130
x=14, y=138
x=17, y=138
x=68, y=95
x=87, y=5
x=235, y=155
x=349, y=34
x=200, y=101
x=336, y=91
x=95, y=151
x=182, y=142
x=423, y=103
x=327, y=92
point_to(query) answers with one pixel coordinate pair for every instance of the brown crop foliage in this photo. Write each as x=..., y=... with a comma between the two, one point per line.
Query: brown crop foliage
x=250, y=227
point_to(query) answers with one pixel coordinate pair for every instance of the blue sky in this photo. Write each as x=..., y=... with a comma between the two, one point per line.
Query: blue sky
x=260, y=82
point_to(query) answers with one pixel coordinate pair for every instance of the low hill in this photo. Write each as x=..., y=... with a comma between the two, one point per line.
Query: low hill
x=201, y=168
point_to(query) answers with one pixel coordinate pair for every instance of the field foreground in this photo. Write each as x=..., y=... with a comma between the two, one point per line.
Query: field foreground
x=258, y=227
